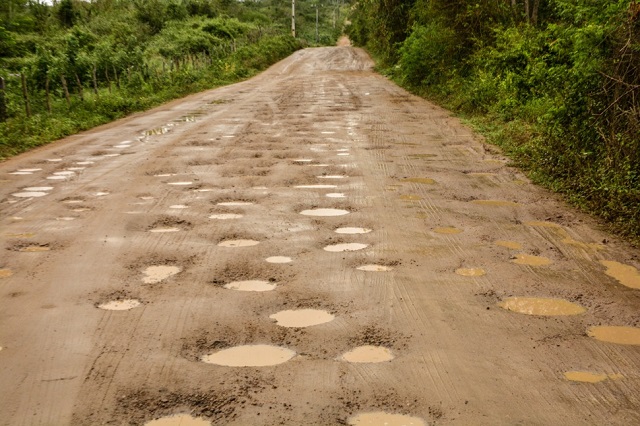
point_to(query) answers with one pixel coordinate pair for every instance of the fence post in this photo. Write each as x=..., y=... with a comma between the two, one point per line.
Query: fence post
x=3, y=101
x=25, y=95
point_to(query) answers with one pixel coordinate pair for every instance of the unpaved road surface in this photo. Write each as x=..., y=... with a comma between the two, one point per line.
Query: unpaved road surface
x=137, y=212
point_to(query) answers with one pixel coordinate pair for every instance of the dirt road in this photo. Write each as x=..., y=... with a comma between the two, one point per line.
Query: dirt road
x=402, y=250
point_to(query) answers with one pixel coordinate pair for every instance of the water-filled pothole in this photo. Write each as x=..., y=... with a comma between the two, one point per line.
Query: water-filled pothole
x=251, y=285
x=375, y=268
x=29, y=194
x=316, y=186
x=541, y=306
x=155, y=274
x=38, y=188
x=345, y=247
x=616, y=334
x=513, y=245
x=589, y=377
x=332, y=177
x=185, y=183
x=336, y=195
x=471, y=272
x=368, y=354
x=353, y=230
x=250, y=356
x=34, y=248
x=164, y=230
x=225, y=216
x=235, y=203
x=626, y=275
x=496, y=203
x=238, y=243
x=527, y=259
x=302, y=317
x=447, y=230
x=324, y=212
x=279, y=259
x=120, y=305
x=178, y=420
x=381, y=418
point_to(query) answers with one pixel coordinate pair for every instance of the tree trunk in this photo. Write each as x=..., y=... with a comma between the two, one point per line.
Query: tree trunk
x=106, y=76
x=79, y=83
x=66, y=90
x=95, y=83
x=46, y=89
x=115, y=73
x=534, y=12
x=3, y=101
x=25, y=95
x=527, y=11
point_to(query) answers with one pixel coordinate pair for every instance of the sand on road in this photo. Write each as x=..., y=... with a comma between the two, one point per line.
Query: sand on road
x=311, y=246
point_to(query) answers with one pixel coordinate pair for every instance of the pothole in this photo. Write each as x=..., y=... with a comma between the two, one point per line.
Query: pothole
x=424, y=181
x=38, y=188
x=447, y=230
x=513, y=245
x=163, y=230
x=368, y=354
x=616, y=334
x=30, y=247
x=179, y=420
x=225, y=216
x=589, y=377
x=29, y=194
x=471, y=272
x=626, y=275
x=332, y=177
x=299, y=318
x=316, y=186
x=238, y=243
x=345, y=247
x=235, y=203
x=336, y=195
x=64, y=173
x=5, y=273
x=279, y=259
x=352, y=230
x=120, y=305
x=57, y=177
x=20, y=173
x=324, y=212
x=302, y=160
x=185, y=183
x=251, y=285
x=527, y=259
x=250, y=356
x=495, y=203
x=155, y=274
x=29, y=170
x=375, y=268
x=541, y=306
x=382, y=418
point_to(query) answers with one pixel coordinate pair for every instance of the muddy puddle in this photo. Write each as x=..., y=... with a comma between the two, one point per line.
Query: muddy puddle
x=250, y=285
x=184, y=183
x=541, y=306
x=352, y=230
x=324, y=212
x=332, y=177
x=424, y=181
x=57, y=177
x=302, y=160
x=250, y=356
x=626, y=275
x=164, y=230
x=235, y=203
x=225, y=216
x=29, y=194
x=29, y=170
x=471, y=272
x=527, y=259
x=447, y=230
x=155, y=274
x=495, y=203
x=302, y=318
x=345, y=247
x=589, y=377
x=178, y=420
x=120, y=305
x=5, y=273
x=238, y=243
x=279, y=259
x=375, y=268
x=316, y=186
x=38, y=188
x=616, y=334
x=381, y=418
x=368, y=354
x=513, y=245
x=34, y=249
x=336, y=195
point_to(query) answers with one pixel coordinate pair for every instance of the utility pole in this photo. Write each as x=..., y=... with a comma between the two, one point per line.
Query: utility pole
x=293, y=18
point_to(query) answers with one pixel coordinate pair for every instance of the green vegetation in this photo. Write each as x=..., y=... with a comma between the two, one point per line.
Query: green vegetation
x=556, y=83
x=75, y=64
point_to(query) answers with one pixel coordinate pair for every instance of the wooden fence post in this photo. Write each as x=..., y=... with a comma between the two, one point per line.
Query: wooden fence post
x=66, y=90
x=25, y=95
x=3, y=101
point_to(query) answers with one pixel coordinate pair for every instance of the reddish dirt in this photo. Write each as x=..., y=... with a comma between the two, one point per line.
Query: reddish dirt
x=413, y=173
